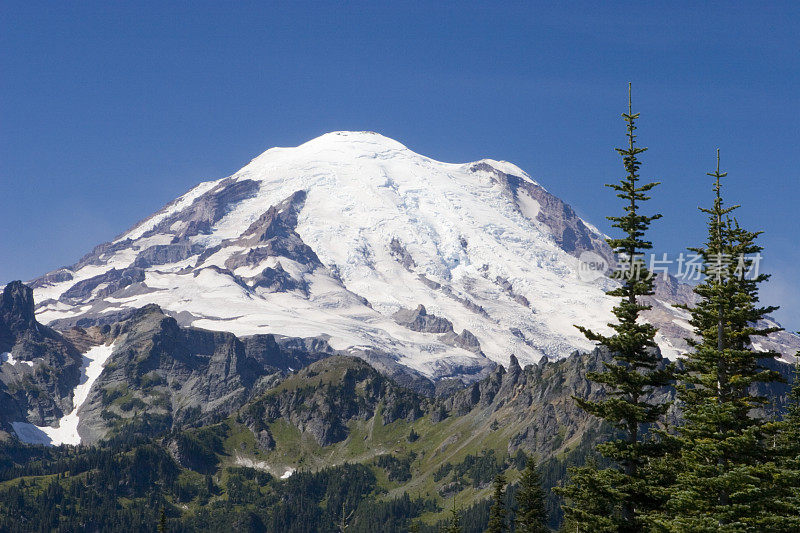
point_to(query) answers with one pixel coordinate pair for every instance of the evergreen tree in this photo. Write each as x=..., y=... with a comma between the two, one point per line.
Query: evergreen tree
x=497, y=514
x=635, y=372
x=531, y=510
x=455, y=520
x=162, y=521
x=726, y=473
x=785, y=507
x=593, y=499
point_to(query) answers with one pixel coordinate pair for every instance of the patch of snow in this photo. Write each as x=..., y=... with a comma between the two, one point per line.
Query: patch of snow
x=66, y=430
x=287, y=474
x=6, y=357
x=529, y=206
x=668, y=350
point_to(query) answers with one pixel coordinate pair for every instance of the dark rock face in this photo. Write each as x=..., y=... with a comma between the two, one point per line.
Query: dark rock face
x=55, y=276
x=264, y=440
x=286, y=353
x=93, y=258
x=38, y=388
x=400, y=253
x=207, y=210
x=114, y=279
x=166, y=253
x=323, y=398
x=668, y=288
x=163, y=376
x=278, y=280
x=538, y=398
x=175, y=376
x=509, y=289
x=419, y=320
x=468, y=341
x=571, y=234
x=274, y=235
x=279, y=220
x=16, y=313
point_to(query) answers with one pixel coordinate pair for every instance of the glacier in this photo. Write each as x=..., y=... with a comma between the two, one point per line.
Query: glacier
x=333, y=237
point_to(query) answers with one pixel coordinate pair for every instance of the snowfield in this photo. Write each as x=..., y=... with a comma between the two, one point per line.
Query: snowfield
x=66, y=430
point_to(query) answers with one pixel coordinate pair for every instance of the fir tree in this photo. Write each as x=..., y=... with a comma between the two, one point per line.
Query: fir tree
x=785, y=508
x=455, y=520
x=593, y=500
x=726, y=478
x=162, y=522
x=497, y=514
x=790, y=441
x=634, y=373
x=531, y=510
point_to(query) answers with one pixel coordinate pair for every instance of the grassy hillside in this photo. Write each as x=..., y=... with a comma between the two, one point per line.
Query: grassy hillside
x=349, y=443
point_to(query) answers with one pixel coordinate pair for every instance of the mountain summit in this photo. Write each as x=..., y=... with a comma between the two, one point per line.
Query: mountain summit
x=352, y=237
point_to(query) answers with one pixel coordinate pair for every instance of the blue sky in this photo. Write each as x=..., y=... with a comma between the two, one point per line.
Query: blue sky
x=110, y=110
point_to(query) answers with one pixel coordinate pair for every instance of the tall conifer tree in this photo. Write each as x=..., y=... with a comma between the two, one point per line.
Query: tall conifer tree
x=787, y=501
x=497, y=514
x=727, y=473
x=454, y=526
x=531, y=511
x=635, y=371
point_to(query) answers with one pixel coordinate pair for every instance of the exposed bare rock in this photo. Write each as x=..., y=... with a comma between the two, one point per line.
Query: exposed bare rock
x=56, y=276
x=163, y=254
x=278, y=280
x=38, y=388
x=400, y=253
x=419, y=320
x=206, y=210
x=668, y=288
x=264, y=440
x=112, y=281
x=569, y=231
x=324, y=397
x=509, y=289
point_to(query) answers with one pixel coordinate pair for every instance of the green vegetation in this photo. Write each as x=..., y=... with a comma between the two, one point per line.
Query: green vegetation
x=498, y=514
x=530, y=499
x=727, y=465
x=630, y=380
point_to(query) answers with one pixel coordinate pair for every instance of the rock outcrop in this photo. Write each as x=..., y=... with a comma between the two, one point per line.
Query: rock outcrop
x=46, y=367
x=323, y=398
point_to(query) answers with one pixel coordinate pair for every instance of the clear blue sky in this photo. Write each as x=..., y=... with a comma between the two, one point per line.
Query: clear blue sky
x=109, y=110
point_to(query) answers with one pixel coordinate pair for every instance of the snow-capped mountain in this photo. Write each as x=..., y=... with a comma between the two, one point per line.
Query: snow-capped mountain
x=355, y=238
